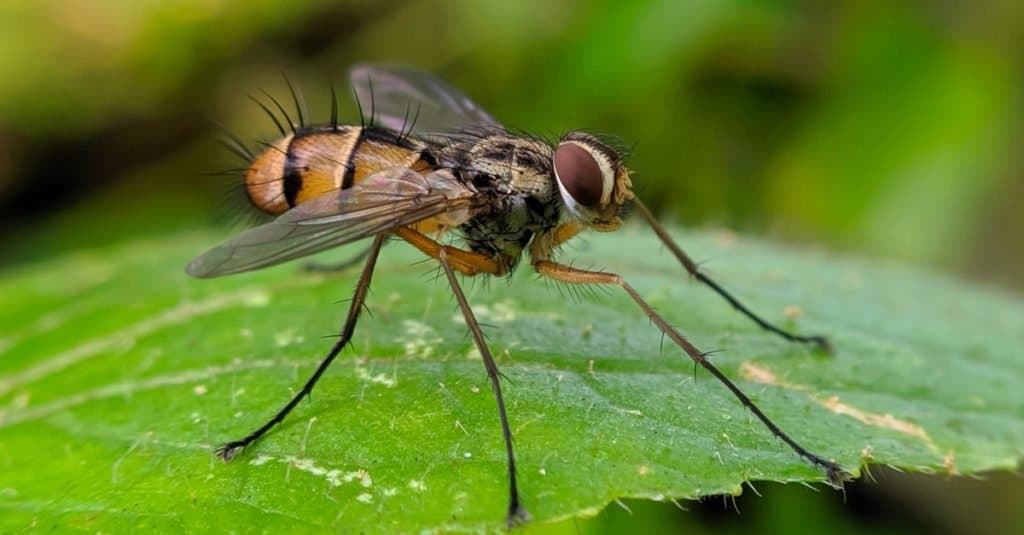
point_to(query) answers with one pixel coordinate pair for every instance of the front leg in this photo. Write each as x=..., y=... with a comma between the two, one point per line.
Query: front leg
x=546, y=243
x=560, y=272
x=818, y=341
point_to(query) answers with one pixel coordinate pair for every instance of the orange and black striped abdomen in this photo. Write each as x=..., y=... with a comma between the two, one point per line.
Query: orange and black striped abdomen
x=305, y=165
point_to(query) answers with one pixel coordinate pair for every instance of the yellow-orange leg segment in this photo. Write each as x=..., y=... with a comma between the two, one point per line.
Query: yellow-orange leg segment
x=465, y=262
x=566, y=231
x=545, y=243
x=560, y=272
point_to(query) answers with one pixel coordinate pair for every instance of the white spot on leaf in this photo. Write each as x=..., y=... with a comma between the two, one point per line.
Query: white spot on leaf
x=419, y=339
x=261, y=460
x=287, y=338
x=380, y=378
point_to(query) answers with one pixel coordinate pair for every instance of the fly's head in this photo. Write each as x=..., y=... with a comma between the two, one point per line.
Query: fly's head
x=592, y=179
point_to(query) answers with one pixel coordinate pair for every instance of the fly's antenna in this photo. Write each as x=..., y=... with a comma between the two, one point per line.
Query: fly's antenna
x=277, y=123
x=334, y=107
x=299, y=103
x=281, y=109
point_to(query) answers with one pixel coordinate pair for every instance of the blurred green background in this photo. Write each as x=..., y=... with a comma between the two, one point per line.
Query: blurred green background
x=887, y=128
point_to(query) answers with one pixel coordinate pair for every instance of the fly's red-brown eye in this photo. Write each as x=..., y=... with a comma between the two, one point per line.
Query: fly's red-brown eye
x=580, y=176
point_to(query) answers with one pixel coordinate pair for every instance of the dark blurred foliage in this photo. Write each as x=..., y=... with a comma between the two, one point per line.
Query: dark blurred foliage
x=888, y=128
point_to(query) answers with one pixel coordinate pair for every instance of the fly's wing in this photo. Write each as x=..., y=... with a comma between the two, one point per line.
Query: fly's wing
x=385, y=201
x=400, y=98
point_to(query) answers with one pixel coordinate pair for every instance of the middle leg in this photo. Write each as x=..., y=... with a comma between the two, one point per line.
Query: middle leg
x=465, y=262
x=516, y=513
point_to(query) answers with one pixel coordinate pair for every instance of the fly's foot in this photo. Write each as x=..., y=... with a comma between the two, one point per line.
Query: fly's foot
x=835, y=475
x=517, y=516
x=822, y=345
x=229, y=451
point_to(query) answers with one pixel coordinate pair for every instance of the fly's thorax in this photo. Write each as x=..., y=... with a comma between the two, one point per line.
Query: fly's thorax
x=514, y=174
x=318, y=160
x=505, y=164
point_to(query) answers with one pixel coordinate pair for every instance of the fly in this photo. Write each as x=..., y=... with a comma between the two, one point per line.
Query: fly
x=429, y=162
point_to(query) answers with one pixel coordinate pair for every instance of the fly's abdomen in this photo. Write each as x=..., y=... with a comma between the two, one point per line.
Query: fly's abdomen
x=308, y=164
x=378, y=149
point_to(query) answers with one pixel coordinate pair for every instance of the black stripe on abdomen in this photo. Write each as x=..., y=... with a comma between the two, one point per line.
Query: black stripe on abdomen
x=350, y=165
x=292, y=184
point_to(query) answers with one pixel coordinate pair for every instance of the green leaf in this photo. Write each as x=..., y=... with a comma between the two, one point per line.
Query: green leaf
x=119, y=375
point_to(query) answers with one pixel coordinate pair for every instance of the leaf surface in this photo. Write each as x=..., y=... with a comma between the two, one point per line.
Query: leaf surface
x=119, y=375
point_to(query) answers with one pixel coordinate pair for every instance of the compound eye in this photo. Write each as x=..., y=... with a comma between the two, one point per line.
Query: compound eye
x=579, y=174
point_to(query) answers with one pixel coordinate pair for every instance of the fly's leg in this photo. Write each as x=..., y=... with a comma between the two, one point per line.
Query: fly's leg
x=834, y=473
x=544, y=243
x=338, y=267
x=516, y=514
x=231, y=449
x=471, y=263
x=465, y=262
x=820, y=342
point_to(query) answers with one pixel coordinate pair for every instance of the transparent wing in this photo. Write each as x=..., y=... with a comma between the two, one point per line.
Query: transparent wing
x=401, y=96
x=385, y=201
